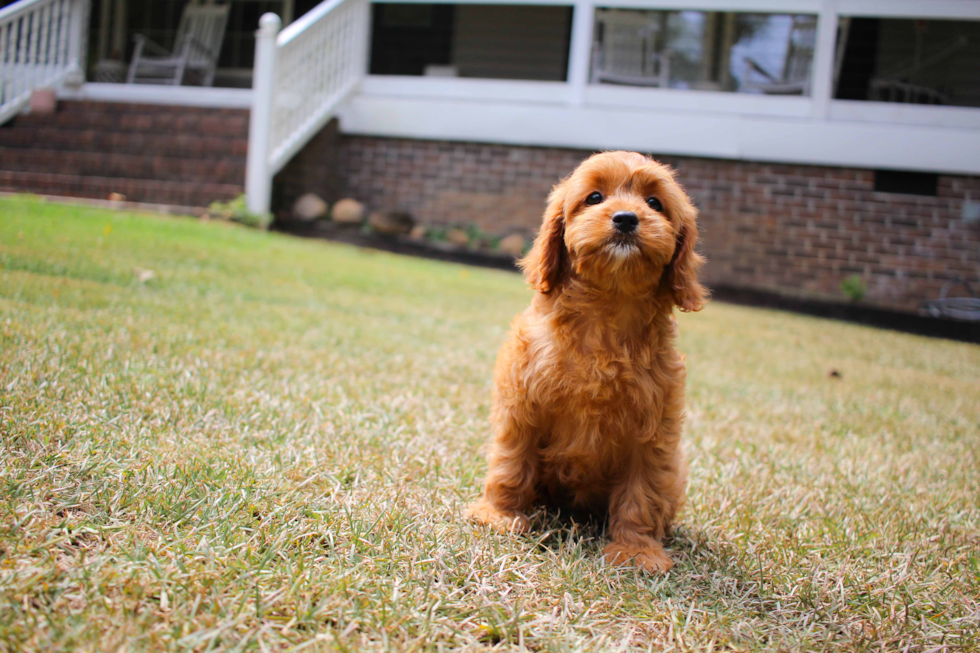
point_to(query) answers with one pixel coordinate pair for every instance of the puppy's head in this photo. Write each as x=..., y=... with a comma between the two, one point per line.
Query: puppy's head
x=620, y=223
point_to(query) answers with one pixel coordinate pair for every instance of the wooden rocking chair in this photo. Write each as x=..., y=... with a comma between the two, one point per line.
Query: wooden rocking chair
x=199, y=37
x=627, y=52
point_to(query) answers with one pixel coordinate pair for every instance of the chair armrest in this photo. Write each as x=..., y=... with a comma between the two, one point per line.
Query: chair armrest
x=756, y=66
x=150, y=45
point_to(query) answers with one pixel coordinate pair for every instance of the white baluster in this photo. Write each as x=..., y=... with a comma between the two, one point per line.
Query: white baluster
x=32, y=58
x=4, y=92
x=21, y=68
x=63, y=18
x=43, y=61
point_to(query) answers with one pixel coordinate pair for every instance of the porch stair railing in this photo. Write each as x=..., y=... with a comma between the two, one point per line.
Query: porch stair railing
x=300, y=77
x=41, y=45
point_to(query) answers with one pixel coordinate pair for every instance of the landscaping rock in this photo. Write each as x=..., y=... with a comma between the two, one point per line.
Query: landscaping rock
x=513, y=244
x=458, y=237
x=43, y=101
x=417, y=233
x=391, y=223
x=348, y=211
x=144, y=275
x=309, y=207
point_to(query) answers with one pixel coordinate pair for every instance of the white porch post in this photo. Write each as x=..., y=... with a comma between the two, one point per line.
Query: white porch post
x=825, y=49
x=258, y=172
x=77, y=33
x=580, y=50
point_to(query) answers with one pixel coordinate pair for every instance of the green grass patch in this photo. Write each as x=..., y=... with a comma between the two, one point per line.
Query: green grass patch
x=214, y=438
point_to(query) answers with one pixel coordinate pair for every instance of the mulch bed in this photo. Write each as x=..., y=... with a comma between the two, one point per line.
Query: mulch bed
x=352, y=235
x=858, y=313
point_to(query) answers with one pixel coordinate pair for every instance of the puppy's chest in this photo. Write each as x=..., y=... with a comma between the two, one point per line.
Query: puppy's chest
x=598, y=405
x=603, y=380
x=594, y=412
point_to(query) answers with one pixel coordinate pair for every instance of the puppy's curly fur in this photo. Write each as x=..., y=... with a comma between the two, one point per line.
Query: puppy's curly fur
x=589, y=390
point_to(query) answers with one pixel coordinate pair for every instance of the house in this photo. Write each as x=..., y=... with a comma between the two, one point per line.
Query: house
x=821, y=139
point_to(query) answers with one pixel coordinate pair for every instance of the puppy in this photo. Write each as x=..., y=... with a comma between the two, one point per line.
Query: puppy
x=588, y=396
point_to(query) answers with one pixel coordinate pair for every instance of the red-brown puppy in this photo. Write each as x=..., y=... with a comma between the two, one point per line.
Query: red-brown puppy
x=589, y=390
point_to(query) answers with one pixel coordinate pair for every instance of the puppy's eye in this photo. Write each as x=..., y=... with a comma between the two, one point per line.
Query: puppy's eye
x=655, y=204
x=593, y=199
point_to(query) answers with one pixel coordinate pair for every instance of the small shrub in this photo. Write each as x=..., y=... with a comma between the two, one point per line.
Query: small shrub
x=237, y=211
x=854, y=287
x=437, y=234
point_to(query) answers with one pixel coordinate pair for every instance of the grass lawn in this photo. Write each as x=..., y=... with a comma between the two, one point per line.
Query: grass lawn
x=218, y=438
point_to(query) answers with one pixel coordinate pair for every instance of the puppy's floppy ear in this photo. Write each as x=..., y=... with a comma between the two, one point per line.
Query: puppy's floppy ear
x=680, y=277
x=547, y=262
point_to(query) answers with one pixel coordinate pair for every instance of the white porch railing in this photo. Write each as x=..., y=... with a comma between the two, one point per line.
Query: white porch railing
x=41, y=45
x=300, y=77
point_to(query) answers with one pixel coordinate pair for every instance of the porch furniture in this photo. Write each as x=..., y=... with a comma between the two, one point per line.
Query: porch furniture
x=199, y=37
x=627, y=51
x=900, y=87
x=893, y=90
x=794, y=79
x=957, y=308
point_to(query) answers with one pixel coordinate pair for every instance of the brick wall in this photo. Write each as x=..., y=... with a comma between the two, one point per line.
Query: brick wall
x=790, y=229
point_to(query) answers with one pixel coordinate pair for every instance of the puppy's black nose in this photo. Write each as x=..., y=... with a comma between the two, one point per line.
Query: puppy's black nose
x=625, y=221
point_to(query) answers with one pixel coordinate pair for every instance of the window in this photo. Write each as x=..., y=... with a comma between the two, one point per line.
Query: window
x=768, y=54
x=485, y=41
x=909, y=61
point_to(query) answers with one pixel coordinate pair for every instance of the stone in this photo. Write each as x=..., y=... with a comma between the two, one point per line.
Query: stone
x=348, y=211
x=144, y=275
x=458, y=237
x=391, y=223
x=513, y=244
x=309, y=207
x=43, y=101
x=418, y=232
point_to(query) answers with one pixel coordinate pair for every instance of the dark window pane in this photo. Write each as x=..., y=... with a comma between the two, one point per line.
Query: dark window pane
x=484, y=41
x=909, y=61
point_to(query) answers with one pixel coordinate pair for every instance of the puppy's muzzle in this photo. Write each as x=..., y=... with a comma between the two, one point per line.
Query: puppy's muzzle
x=625, y=221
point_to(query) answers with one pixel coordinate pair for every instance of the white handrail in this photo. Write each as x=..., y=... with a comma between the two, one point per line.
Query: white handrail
x=305, y=21
x=300, y=77
x=18, y=8
x=41, y=45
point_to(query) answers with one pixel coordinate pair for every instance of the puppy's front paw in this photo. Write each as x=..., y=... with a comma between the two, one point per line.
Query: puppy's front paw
x=650, y=558
x=503, y=521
